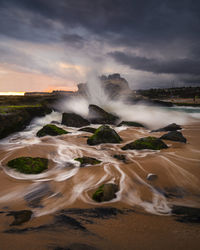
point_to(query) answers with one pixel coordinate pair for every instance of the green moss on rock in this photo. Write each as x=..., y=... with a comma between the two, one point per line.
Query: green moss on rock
x=104, y=134
x=87, y=161
x=146, y=143
x=105, y=192
x=52, y=130
x=130, y=124
x=29, y=165
x=88, y=129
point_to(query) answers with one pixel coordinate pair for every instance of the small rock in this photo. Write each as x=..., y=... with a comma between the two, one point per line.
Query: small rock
x=130, y=124
x=120, y=157
x=99, y=116
x=152, y=177
x=29, y=165
x=174, y=136
x=87, y=161
x=170, y=127
x=104, y=134
x=146, y=143
x=74, y=120
x=105, y=192
x=88, y=129
x=52, y=130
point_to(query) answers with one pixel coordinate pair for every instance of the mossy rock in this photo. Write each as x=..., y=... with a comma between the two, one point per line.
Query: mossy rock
x=146, y=143
x=105, y=192
x=130, y=124
x=170, y=127
x=51, y=129
x=74, y=120
x=29, y=165
x=20, y=217
x=87, y=161
x=88, y=129
x=104, y=134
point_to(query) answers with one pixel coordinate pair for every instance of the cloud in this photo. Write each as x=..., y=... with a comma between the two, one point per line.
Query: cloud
x=158, y=66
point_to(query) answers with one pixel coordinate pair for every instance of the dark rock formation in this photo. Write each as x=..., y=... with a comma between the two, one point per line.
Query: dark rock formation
x=130, y=124
x=87, y=161
x=104, y=134
x=20, y=217
x=174, y=136
x=120, y=157
x=186, y=214
x=105, y=192
x=88, y=129
x=170, y=127
x=74, y=120
x=52, y=130
x=99, y=116
x=29, y=165
x=17, y=118
x=146, y=143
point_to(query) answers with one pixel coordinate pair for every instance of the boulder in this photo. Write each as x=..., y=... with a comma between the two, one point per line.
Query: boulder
x=130, y=124
x=51, y=129
x=74, y=120
x=170, y=127
x=146, y=143
x=20, y=217
x=87, y=161
x=104, y=134
x=99, y=116
x=29, y=165
x=88, y=129
x=105, y=192
x=174, y=136
x=17, y=118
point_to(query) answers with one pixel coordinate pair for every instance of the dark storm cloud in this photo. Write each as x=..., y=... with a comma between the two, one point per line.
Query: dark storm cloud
x=178, y=66
x=153, y=25
x=73, y=40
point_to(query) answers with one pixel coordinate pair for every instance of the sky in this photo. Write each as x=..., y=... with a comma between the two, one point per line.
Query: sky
x=48, y=44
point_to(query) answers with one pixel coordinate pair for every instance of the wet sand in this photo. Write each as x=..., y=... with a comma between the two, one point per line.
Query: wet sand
x=139, y=218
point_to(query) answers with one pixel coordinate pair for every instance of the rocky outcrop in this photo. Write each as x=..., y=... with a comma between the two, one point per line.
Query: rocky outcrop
x=29, y=165
x=17, y=118
x=52, y=130
x=130, y=124
x=146, y=143
x=105, y=192
x=99, y=116
x=74, y=120
x=104, y=134
x=170, y=127
x=84, y=161
x=174, y=136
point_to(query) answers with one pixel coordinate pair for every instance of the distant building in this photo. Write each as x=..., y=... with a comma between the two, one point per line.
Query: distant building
x=53, y=93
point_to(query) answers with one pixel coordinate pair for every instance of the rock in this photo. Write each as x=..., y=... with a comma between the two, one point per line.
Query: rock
x=152, y=177
x=120, y=157
x=52, y=130
x=104, y=134
x=87, y=161
x=88, y=129
x=99, y=116
x=130, y=124
x=170, y=127
x=174, y=136
x=17, y=118
x=20, y=217
x=146, y=143
x=105, y=192
x=29, y=165
x=74, y=120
